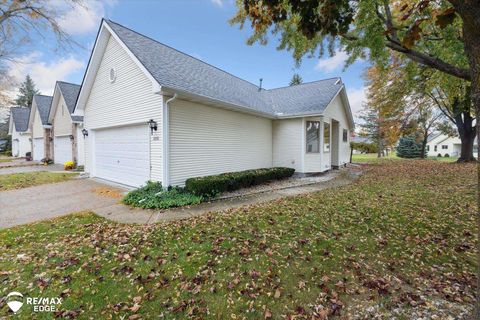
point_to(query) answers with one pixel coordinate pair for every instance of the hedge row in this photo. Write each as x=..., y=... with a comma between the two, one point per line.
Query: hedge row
x=211, y=185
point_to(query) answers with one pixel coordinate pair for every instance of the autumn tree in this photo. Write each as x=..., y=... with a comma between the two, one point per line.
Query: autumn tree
x=442, y=35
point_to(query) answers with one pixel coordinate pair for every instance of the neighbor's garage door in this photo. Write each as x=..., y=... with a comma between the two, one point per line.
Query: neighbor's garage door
x=38, y=149
x=62, y=149
x=123, y=154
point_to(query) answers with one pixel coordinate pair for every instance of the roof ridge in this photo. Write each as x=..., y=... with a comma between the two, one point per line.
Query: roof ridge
x=74, y=84
x=166, y=45
x=301, y=84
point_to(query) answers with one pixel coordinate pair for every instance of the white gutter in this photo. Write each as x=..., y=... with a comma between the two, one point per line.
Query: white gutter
x=166, y=139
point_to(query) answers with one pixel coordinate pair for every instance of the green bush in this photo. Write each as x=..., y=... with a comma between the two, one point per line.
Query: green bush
x=209, y=186
x=408, y=147
x=154, y=196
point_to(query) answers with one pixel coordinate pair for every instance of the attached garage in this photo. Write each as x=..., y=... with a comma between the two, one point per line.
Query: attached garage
x=62, y=149
x=122, y=154
x=38, y=149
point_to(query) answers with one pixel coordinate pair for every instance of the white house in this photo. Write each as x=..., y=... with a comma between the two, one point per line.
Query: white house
x=153, y=113
x=40, y=128
x=439, y=144
x=67, y=129
x=18, y=130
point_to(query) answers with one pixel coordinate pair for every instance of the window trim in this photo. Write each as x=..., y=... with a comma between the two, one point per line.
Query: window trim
x=329, y=137
x=318, y=136
x=345, y=135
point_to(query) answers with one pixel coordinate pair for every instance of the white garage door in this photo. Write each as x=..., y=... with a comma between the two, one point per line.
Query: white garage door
x=123, y=154
x=62, y=149
x=38, y=149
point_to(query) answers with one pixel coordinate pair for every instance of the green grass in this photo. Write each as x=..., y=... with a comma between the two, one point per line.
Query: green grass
x=6, y=160
x=372, y=158
x=401, y=237
x=29, y=179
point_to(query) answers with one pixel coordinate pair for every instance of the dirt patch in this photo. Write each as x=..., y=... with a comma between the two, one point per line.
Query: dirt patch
x=109, y=192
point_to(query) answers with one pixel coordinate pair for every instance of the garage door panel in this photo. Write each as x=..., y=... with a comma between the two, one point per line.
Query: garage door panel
x=38, y=149
x=62, y=149
x=123, y=155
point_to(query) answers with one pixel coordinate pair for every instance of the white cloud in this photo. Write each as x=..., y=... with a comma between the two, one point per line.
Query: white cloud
x=84, y=17
x=44, y=74
x=332, y=63
x=356, y=97
x=218, y=3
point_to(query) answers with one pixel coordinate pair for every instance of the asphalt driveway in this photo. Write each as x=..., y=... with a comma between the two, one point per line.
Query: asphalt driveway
x=53, y=200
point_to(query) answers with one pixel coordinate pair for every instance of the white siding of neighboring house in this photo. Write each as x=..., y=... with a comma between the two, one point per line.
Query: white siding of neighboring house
x=288, y=143
x=37, y=128
x=62, y=122
x=80, y=145
x=209, y=140
x=128, y=100
x=23, y=145
x=337, y=111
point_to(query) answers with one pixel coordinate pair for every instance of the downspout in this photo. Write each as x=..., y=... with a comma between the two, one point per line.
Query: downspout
x=166, y=142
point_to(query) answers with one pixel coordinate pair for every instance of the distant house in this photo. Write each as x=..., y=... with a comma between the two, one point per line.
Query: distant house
x=19, y=131
x=441, y=145
x=67, y=136
x=154, y=113
x=40, y=128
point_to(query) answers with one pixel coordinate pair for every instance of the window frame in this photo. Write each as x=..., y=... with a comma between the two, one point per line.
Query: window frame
x=327, y=146
x=444, y=147
x=345, y=135
x=306, y=136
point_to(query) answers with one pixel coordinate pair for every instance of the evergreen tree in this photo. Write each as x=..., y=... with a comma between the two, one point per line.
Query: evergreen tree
x=296, y=79
x=27, y=91
x=408, y=147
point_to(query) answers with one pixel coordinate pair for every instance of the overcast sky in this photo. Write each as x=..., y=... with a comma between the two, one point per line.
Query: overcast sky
x=197, y=27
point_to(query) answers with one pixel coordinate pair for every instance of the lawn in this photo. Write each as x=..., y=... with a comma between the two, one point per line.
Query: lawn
x=399, y=243
x=372, y=158
x=29, y=179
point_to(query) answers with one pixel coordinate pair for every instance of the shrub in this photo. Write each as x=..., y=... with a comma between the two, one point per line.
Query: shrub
x=209, y=186
x=68, y=165
x=439, y=155
x=446, y=155
x=154, y=196
x=408, y=147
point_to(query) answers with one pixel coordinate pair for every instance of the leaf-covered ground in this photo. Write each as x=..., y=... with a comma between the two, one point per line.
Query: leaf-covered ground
x=399, y=243
x=29, y=179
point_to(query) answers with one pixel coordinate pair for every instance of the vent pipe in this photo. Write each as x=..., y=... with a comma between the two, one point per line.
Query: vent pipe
x=260, y=87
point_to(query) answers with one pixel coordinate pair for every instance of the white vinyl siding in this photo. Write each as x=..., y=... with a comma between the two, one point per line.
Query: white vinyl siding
x=287, y=143
x=128, y=100
x=80, y=145
x=208, y=140
x=37, y=128
x=62, y=122
x=337, y=111
x=21, y=144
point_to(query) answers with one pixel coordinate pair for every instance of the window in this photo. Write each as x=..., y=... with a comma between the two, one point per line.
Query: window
x=435, y=148
x=313, y=136
x=345, y=135
x=428, y=147
x=326, y=137
x=444, y=146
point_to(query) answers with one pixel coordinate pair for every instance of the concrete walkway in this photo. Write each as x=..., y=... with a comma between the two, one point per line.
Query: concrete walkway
x=31, y=168
x=53, y=200
x=126, y=214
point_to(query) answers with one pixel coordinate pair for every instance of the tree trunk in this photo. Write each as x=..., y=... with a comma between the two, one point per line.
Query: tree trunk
x=424, y=146
x=466, y=153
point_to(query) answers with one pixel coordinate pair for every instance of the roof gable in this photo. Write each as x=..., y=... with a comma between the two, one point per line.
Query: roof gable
x=176, y=72
x=43, y=104
x=67, y=92
x=19, y=118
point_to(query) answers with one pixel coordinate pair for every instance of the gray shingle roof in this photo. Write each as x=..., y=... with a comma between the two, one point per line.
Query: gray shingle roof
x=179, y=71
x=70, y=93
x=433, y=136
x=43, y=105
x=20, y=116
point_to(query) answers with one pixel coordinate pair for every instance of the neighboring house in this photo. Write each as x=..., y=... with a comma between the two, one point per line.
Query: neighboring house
x=3, y=144
x=67, y=129
x=439, y=144
x=154, y=113
x=18, y=129
x=42, y=148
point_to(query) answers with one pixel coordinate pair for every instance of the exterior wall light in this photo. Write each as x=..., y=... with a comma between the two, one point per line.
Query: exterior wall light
x=153, y=125
x=85, y=133
x=71, y=137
